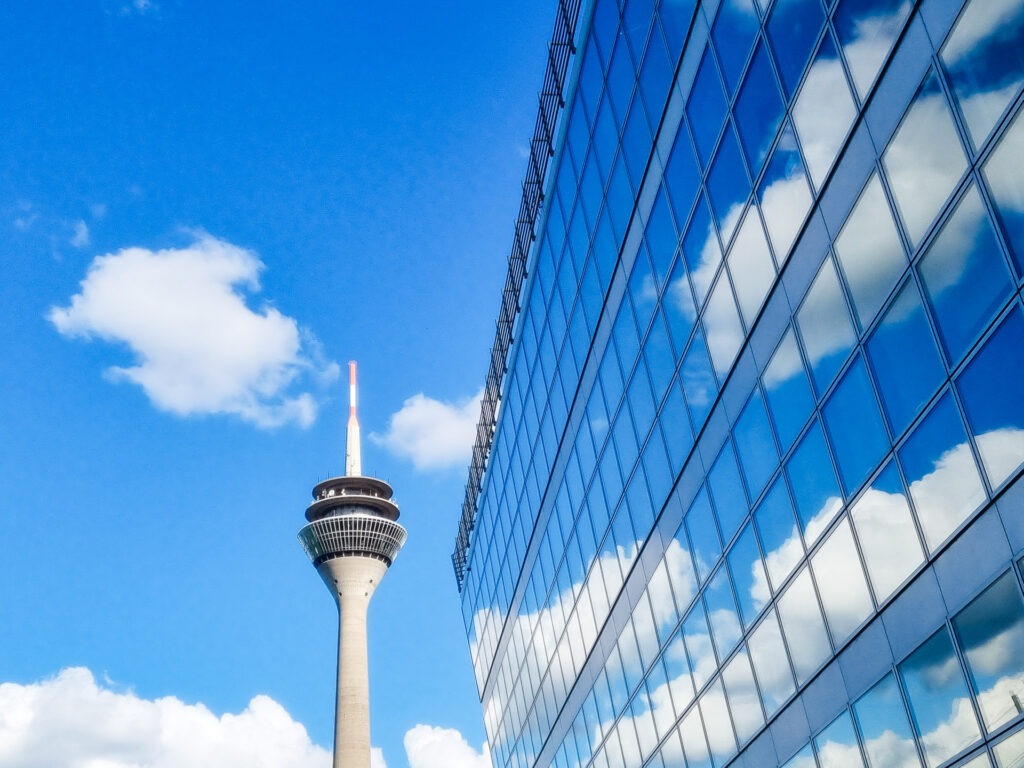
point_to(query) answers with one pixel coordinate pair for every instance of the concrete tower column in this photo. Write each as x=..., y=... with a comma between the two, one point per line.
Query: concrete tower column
x=356, y=579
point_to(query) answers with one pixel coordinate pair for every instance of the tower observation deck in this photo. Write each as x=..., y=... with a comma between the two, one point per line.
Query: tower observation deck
x=352, y=537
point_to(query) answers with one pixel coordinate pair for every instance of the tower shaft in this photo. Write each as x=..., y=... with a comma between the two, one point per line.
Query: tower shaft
x=355, y=579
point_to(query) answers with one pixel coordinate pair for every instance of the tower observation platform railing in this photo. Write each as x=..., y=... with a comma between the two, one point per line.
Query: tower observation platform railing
x=354, y=534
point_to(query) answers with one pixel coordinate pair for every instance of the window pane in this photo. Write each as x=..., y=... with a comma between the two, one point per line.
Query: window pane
x=771, y=663
x=964, y=275
x=824, y=112
x=759, y=110
x=786, y=388
x=677, y=669
x=728, y=186
x=825, y=326
x=855, y=427
x=748, y=574
x=904, y=359
x=939, y=701
x=700, y=524
x=867, y=29
x=814, y=484
x=678, y=306
x=841, y=584
x=716, y=720
x=744, y=702
x=802, y=759
x=803, y=626
x=695, y=744
x=706, y=108
x=784, y=195
x=734, y=33
x=793, y=29
x=722, y=326
x=661, y=237
x=985, y=62
x=1010, y=751
x=837, y=745
x=940, y=469
x=679, y=567
x=882, y=720
x=991, y=635
x=886, y=532
x=990, y=387
x=725, y=624
x=701, y=250
x=751, y=266
x=780, y=537
x=698, y=381
x=1005, y=177
x=727, y=493
x=870, y=252
x=925, y=160
x=754, y=442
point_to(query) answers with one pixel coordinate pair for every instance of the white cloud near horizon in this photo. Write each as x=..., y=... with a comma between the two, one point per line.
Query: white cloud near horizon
x=198, y=348
x=428, y=746
x=432, y=434
x=72, y=721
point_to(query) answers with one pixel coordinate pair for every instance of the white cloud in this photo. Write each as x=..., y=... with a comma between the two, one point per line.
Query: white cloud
x=198, y=348
x=433, y=434
x=139, y=6
x=428, y=746
x=377, y=758
x=73, y=722
x=81, y=237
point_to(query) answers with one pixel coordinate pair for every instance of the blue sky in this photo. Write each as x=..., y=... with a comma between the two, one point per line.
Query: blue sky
x=205, y=208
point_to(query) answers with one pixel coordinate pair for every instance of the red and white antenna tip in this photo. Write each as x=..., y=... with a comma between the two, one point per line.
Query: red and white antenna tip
x=353, y=451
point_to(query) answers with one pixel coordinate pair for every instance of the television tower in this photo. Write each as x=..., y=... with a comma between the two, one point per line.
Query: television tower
x=352, y=538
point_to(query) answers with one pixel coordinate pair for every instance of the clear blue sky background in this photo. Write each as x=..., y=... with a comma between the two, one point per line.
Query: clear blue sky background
x=371, y=155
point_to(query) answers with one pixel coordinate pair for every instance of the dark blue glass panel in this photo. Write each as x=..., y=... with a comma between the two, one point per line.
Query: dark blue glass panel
x=882, y=720
x=656, y=77
x=636, y=142
x=698, y=381
x=605, y=25
x=661, y=362
x=619, y=200
x=984, y=59
x=755, y=444
x=787, y=391
x=675, y=426
x=1006, y=180
x=721, y=606
x=591, y=81
x=759, y=110
x=704, y=541
x=733, y=33
x=677, y=303
x=728, y=186
x=662, y=237
x=621, y=78
x=904, y=359
x=965, y=276
x=793, y=28
x=727, y=492
x=682, y=178
x=748, y=574
x=814, y=483
x=701, y=250
x=636, y=24
x=940, y=470
x=606, y=137
x=855, y=427
x=990, y=387
x=706, y=108
x=675, y=16
x=866, y=30
x=777, y=529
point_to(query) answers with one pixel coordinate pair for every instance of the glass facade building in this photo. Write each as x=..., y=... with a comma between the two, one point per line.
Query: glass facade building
x=747, y=487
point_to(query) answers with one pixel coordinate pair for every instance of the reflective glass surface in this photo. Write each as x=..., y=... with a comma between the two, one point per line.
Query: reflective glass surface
x=904, y=360
x=787, y=390
x=870, y=252
x=793, y=28
x=733, y=33
x=866, y=30
x=1010, y=751
x=813, y=480
x=824, y=111
x=751, y=266
x=841, y=583
x=887, y=534
x=759, y=109
x=825, y=326
x=755, y=445
x=728, y=186
x=701, y=250
x=748, y=575
x=744, y=702
x=706, y=108
x=940, y=470
x=1007, y=185
x=837, y=745
x=925, y=160
x=991, y=632
x=803, y=626
x=990, y=388
x=884, y=728
x=938, y=698
x=855, y=427
x=964, y=275
x=771, y=663
x=985, y=62
x=780, y=537
x=784, y=194
x=722, y=326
